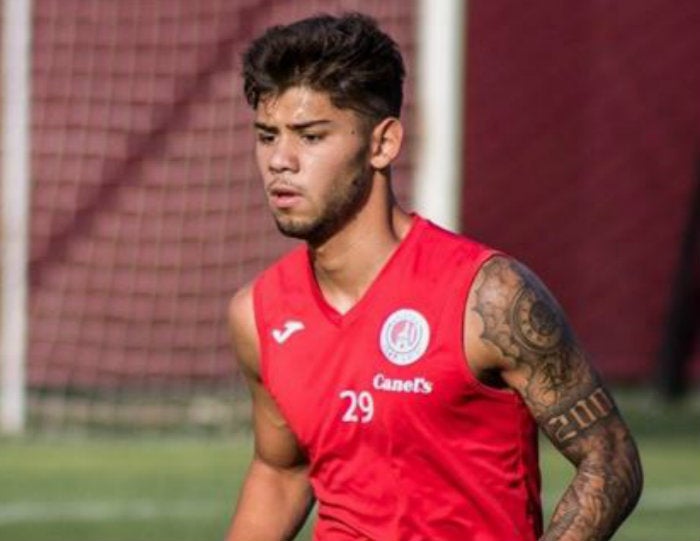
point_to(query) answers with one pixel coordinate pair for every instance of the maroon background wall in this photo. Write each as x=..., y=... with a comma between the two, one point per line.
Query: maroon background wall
x=583, y=136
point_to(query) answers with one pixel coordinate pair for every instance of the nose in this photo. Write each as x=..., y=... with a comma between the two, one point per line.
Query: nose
x=283, y=157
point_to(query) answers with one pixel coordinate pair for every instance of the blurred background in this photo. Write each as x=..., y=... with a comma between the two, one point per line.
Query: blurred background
x=131, y=212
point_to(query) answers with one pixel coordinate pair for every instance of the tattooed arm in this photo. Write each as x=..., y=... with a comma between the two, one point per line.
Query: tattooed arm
x=517, y=334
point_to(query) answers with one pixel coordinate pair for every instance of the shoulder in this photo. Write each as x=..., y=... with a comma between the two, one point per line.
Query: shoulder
x=243, y=330
x=262, y=293
x=240, y=307
x=503, y=282
x=451, y=255
x=434, y=234
x=499, y=280
x=511, y=312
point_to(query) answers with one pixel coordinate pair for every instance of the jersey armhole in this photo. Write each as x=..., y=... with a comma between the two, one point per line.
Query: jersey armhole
x=472, y=380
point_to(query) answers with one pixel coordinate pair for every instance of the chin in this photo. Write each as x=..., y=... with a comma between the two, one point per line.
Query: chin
x=296, y=229
x=313, y=232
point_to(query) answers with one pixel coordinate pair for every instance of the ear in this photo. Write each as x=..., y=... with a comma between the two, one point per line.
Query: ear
x=387, y=137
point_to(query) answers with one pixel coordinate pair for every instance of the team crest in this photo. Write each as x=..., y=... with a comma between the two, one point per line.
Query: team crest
x=404, y=337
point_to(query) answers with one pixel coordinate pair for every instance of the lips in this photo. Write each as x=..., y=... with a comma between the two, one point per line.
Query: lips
x=283, y=195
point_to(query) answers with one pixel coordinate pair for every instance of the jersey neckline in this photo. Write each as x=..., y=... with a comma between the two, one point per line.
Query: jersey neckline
x=334, y=316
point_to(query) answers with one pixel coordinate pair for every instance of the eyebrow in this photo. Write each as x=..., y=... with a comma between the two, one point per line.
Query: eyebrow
x=299, y=126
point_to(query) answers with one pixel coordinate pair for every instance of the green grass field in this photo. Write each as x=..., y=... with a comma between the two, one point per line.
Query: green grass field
x=182, y=489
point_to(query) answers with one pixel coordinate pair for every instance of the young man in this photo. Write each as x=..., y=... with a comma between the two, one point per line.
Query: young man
x=399, y=372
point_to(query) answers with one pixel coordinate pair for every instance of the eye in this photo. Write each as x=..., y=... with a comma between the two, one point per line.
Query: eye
x=312, y=138
x=265, y=138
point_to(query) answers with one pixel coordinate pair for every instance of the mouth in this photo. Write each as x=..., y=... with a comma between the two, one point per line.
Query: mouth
x=283, y=196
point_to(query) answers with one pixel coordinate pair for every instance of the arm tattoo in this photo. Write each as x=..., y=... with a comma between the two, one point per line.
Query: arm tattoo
x=582, y=415
x=529, y=331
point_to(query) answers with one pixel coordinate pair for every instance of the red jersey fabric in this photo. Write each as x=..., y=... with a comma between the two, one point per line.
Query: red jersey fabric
x=403, y=442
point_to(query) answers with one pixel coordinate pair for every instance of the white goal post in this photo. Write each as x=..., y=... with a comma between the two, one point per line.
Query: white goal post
x=441, y=68
x=15, y=212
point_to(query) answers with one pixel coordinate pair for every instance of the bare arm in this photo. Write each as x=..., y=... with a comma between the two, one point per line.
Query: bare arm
x=519, y=331
x=276, y=497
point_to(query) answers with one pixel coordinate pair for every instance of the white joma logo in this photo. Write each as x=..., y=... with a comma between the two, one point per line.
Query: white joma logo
x=290, y=327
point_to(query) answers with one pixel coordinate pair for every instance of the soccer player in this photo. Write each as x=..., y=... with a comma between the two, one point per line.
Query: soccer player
x=399, y=372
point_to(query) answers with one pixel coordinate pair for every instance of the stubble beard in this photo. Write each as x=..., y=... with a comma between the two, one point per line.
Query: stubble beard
x=340, y=208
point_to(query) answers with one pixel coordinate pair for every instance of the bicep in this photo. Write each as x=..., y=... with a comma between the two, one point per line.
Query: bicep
x=525, y=334
x=275, y=443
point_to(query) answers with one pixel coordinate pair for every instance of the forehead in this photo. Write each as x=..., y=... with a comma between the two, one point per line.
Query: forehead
x=300, y=104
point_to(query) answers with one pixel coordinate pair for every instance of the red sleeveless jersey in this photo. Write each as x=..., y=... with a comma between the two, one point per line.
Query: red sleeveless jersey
x=404, y=443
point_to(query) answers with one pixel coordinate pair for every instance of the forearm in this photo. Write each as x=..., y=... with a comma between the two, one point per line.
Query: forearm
x=273, y=504
x=602, y=494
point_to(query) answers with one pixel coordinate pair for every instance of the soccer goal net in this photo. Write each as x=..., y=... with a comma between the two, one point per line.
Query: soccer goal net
x=146, y=213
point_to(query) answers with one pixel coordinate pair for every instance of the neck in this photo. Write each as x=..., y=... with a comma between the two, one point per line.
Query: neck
x=346, y=264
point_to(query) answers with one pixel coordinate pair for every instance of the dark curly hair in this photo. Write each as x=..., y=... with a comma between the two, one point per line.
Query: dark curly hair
x=348, y=57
